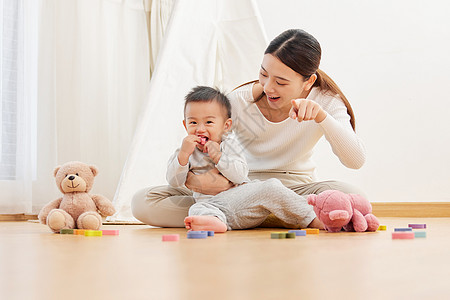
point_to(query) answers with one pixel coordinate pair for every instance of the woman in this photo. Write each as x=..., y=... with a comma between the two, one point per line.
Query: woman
x=278, y=119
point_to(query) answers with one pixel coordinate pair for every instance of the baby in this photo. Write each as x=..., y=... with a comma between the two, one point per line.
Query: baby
x=209, y=145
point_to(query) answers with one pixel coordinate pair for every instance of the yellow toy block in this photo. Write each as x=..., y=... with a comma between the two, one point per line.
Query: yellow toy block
x=93, y=233
x=311, y=230
x=382, y=227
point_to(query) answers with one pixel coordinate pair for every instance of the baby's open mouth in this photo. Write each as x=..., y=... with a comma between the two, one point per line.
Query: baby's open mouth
x=203, y=140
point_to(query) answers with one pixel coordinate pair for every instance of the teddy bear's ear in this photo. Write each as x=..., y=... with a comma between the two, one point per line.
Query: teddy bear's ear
x=94, y=170
x=55, y=171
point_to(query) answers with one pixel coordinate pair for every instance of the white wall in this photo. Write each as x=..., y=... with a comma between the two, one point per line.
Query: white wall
x=391, y=59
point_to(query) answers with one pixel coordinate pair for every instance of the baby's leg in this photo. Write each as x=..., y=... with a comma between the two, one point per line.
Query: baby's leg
x=205, y=216
x=250, y=204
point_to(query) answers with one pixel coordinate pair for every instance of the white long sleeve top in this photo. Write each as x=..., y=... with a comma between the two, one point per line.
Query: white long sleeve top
x=287, y=146
x=231, y=164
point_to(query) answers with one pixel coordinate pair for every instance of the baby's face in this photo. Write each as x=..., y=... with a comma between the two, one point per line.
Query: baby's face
x=206, y=120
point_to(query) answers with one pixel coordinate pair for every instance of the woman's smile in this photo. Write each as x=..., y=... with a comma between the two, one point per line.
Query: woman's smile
x=273, y=99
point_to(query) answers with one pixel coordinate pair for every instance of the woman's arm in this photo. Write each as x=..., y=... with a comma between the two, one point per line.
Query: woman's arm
x=210, y=183
x=344, y=142
x=335, y=123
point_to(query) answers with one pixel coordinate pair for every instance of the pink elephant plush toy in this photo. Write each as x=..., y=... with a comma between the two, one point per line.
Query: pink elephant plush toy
x=338, y=210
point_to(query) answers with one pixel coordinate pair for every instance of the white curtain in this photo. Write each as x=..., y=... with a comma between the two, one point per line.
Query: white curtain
x=158, y=15
x=93, y=73
x=18, y=77
x=208, y=42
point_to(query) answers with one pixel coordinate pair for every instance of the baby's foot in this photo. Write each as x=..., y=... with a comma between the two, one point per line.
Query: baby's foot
x=207, y=223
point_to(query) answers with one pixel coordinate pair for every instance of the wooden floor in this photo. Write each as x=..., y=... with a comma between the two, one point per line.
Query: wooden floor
x=247, y=264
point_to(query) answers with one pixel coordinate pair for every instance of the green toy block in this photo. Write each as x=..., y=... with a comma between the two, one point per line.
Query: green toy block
x=420, y=234
x=290, y=235
x=278, y=235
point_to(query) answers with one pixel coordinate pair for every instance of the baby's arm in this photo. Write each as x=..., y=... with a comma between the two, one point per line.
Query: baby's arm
x=232, y=163
x=176, y=173
x=178, y=166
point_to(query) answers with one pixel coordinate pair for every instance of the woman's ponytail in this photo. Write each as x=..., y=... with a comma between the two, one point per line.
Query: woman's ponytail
x=326, y=84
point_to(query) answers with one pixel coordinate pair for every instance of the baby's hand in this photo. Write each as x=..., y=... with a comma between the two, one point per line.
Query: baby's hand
x=187, y=148
x=213, y=149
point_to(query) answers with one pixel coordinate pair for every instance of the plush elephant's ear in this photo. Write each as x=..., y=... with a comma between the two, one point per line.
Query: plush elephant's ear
x=94, y=170
x=55, y=171
x=312, y=199
x=339, y=215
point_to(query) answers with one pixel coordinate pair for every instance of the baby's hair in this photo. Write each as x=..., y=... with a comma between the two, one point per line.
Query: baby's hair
x=208, y=94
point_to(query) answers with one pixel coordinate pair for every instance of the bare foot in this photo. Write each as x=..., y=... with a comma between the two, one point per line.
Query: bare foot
x=316, y=223
x=207, y=223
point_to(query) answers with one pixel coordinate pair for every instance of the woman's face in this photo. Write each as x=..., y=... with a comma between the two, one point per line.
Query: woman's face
x=281, y=84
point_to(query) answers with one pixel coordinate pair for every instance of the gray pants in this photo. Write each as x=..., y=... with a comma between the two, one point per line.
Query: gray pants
x=248, y=205
x=166, y=206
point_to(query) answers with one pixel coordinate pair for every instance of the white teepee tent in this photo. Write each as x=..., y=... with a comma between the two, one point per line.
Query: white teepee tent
x=207, y=42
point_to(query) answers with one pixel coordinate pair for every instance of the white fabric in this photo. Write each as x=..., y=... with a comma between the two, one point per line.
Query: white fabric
x=288, y=145
x=93, y=77
x=216, y=43
x=160, y=12
x=18, y=79
x=231, y=164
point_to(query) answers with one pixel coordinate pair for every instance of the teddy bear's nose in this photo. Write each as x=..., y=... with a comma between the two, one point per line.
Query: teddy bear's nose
x=71, y=177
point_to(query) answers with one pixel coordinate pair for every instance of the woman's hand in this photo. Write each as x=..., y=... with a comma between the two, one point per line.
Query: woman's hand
x=306, y=110
x=210, y=183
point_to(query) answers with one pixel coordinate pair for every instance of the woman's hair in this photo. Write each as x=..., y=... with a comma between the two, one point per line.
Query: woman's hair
x=301, y=52
x=208, y=94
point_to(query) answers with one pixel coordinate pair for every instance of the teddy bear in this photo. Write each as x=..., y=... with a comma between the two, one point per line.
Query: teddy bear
x=338, y=210
x=76, y=208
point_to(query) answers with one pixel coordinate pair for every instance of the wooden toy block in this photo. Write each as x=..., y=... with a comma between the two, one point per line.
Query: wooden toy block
x=170, y=237
x=403, y=235
x=110, y=232
x=298, y=232
x=66, y=231
x=78, y=231
x=403, y=229
x=278, y=235
x=311, y=230
x=192, y=234
x=290, y=235
x=382, y=227
x=208, y=233
x=420, y=234
x=92, y=233
x=418, y=226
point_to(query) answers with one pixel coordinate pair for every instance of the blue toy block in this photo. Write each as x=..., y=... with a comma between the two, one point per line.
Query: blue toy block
x=403, y=229
x=197, y=234
x=298, y=232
